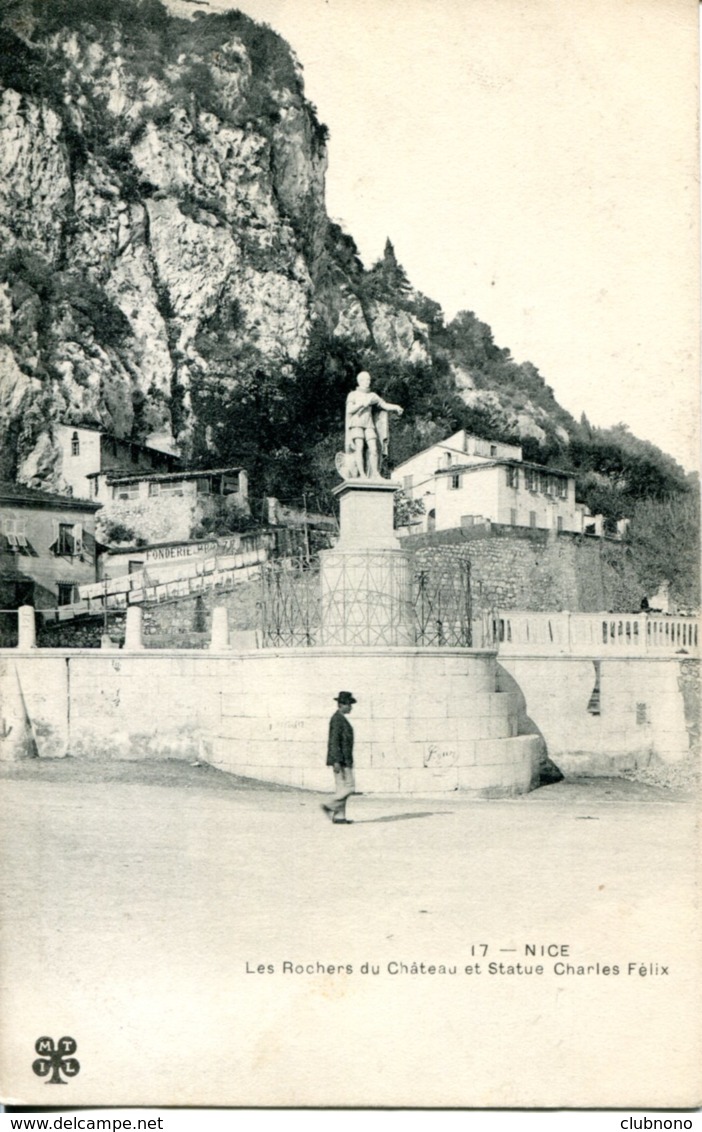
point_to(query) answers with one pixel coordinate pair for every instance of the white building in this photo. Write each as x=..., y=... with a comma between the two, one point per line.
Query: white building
x=169, y=506
x=465, y=480
x=86, y=451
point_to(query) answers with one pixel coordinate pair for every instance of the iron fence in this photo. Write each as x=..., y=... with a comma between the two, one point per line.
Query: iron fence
x=290, y=605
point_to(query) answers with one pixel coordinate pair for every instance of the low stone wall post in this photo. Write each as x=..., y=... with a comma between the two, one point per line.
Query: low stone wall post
x=26, y=626
x=220, y=628
x=132, y=636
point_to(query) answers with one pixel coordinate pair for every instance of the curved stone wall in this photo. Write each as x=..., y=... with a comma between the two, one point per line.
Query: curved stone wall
x=426, y=720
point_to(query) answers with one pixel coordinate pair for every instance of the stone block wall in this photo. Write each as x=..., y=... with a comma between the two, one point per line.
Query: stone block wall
x=164, y=517
x=520, y=568
x=186, y=622
x=644, y=709
x=426, y=721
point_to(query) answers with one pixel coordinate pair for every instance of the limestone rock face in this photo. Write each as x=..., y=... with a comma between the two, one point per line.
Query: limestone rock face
x=164, y=241
x=145, y=195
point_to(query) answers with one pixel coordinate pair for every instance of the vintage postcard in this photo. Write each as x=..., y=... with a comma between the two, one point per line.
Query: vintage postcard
x=349, y=554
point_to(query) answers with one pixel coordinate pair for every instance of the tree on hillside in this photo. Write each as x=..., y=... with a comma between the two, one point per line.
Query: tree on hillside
x=664, y=537
x=387, y=279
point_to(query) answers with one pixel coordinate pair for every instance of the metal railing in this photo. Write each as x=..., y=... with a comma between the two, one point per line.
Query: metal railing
x=439, y=610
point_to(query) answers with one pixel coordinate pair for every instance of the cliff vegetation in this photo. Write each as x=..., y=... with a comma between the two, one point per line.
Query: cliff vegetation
x=168, y=272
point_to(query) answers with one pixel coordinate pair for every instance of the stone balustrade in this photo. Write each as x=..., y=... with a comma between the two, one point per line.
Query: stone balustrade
x=519, y=632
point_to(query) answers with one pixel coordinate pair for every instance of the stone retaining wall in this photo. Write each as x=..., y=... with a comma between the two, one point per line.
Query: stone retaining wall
x=426, y=721
x=520, y=568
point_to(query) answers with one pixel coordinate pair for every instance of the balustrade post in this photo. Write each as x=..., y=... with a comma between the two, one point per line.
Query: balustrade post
x=220, y=628
x=132, y=633
x=26, y=628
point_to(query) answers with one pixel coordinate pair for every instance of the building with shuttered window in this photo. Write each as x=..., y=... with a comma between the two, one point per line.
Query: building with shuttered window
x=47, y=547
x=466, y=480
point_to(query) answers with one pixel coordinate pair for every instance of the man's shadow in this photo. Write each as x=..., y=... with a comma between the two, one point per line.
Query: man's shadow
x=401, y=817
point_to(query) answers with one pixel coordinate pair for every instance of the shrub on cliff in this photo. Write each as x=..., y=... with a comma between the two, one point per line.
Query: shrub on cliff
x=664, y=537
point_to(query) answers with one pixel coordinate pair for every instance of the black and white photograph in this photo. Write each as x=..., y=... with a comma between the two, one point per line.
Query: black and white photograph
x=349, y=556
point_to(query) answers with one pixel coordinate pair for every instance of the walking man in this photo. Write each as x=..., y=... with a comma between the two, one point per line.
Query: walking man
x=340, y=757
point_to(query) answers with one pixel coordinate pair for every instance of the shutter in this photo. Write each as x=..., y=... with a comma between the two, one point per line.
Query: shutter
x=53, y=545
x=77, y=538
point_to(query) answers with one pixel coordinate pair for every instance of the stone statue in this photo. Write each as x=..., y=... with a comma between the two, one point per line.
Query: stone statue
x=366, y=432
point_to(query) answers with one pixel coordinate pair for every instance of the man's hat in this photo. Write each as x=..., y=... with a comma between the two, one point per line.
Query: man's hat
x=345, y=698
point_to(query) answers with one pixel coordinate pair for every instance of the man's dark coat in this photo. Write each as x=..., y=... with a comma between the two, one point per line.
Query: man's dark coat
x=340, y=746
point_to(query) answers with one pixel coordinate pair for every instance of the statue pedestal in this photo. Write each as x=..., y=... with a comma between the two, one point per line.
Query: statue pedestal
x=366, y=514
x=366, y=590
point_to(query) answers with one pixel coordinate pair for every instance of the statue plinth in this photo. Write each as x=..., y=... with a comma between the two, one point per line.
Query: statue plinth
x=366, y=514
x=366, y=591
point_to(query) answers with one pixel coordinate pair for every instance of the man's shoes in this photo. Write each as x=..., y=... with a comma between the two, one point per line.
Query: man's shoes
x=328, y=811
x=341, y=821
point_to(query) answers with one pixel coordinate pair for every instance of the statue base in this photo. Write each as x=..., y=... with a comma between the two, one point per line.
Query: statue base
x=365, y=579
x=366, y=597
x=366, y=514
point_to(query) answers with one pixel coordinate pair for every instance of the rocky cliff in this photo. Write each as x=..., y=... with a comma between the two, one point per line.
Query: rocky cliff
x=169, y=273
x=162, y=222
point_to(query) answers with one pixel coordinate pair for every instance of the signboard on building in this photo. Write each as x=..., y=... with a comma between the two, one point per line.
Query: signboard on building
x=180, y=550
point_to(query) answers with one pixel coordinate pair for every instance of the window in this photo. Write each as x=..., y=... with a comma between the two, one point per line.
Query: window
x=134, y=566
x=407, y=482
x=493, y=449
x=562, y=488
x=532, y=518
x=168, y=487
x=454, y=482
x=230, y=485
x=68, y=539
x=75, y=445
x=204, y=487
x=513, y=516
x=66, y=544
x=65, y=593
x=512, y=477
x=544, y=483
x=15, y=531
x=125, y=491
x=559, y=523
x=467, y=520
x=447, y=459
x=530, y=479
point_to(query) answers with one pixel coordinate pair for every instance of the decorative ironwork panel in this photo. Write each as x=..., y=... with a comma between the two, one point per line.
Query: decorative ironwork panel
x=442, y=605
x=290, y=605
x=364, y=599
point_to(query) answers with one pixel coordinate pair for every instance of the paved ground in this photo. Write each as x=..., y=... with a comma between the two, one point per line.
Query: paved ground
x=140, y=900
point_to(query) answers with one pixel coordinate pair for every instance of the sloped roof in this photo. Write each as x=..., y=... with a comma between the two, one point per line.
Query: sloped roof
x=17, y=494
x=115, y=477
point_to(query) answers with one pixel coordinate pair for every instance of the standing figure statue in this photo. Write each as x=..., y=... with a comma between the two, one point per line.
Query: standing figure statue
x=366, y=432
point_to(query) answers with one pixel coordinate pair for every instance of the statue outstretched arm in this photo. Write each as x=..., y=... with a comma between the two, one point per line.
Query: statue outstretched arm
x=388, y=408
